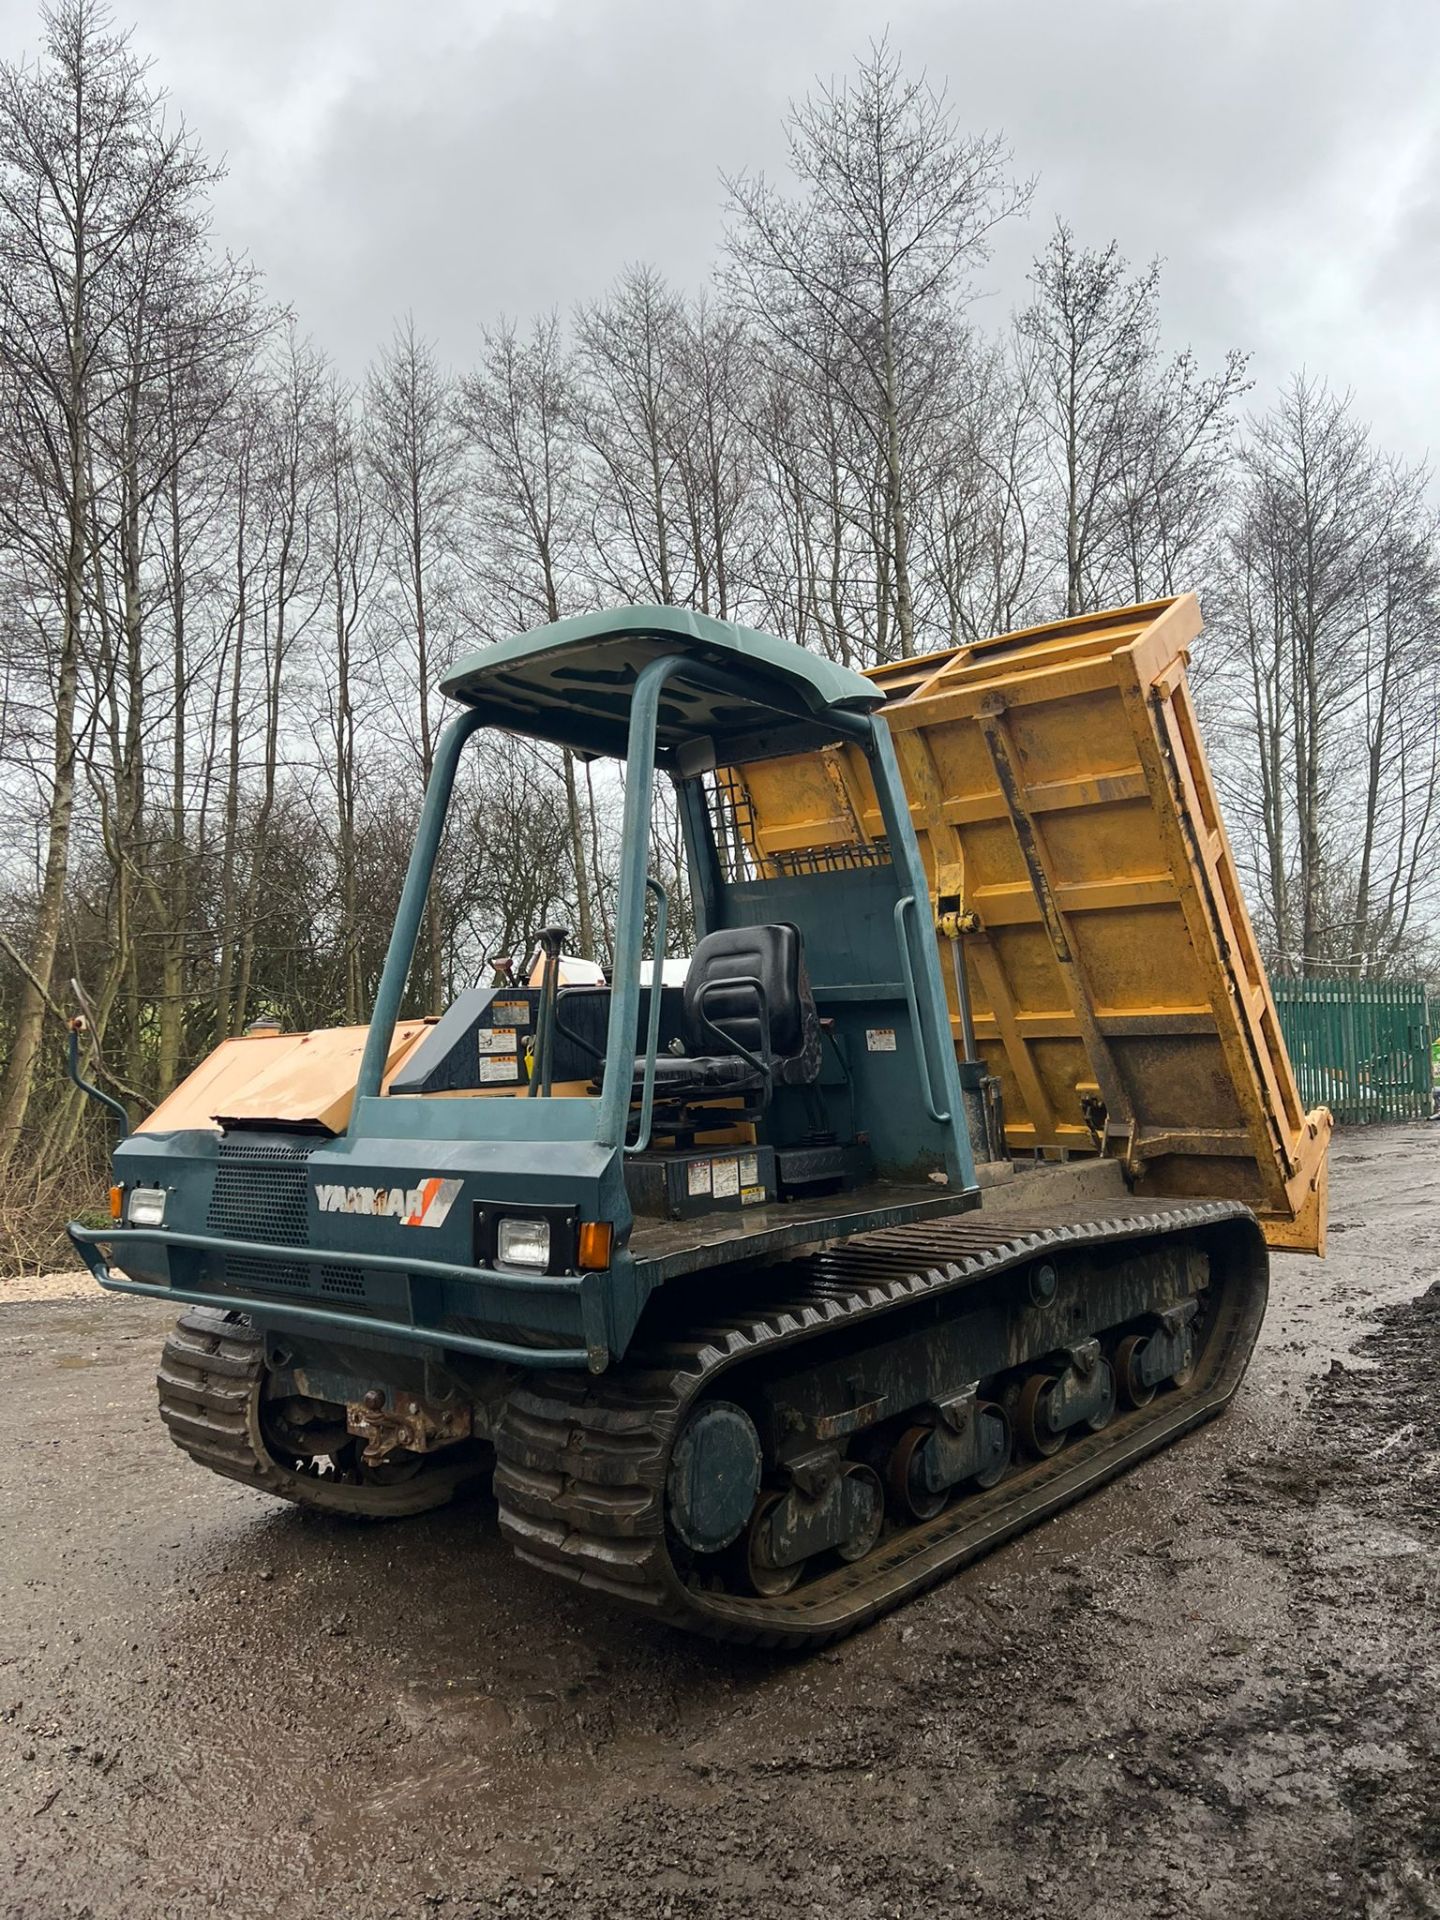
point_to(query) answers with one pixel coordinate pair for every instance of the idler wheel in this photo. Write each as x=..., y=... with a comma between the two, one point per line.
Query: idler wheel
x=1031, y=1425
x=769, y=1582
x=714, y=1477
x=905, y=1478
x=1133, y=1390
x=864, y=1482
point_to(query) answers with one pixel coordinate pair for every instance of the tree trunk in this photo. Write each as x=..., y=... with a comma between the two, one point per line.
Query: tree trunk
x=19, y=1079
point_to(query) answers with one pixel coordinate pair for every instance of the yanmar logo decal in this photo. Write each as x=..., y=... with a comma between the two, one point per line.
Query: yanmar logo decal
x=422, y=1206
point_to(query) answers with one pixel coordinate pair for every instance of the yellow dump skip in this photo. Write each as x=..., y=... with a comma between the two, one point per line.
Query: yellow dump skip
x=1067, y=817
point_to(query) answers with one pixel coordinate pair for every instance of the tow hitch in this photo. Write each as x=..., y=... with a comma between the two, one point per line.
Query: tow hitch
x=419, y=1426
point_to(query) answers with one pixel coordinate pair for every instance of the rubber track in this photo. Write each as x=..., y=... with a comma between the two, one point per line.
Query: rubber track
x=582, y=1464
x=209, y=1380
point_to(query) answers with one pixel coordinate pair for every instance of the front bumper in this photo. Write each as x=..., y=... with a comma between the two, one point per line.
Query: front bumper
x=576, y=1295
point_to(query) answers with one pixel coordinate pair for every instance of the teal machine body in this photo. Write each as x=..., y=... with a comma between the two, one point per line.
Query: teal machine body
x=451, y=1226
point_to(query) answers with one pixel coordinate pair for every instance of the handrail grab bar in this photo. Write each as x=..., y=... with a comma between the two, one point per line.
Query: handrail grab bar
x=652, y=1024
x=904, y=908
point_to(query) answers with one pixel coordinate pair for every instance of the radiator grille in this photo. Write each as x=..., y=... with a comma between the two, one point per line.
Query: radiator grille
x=240, y=1146
x=260, y=1192
x=348, y=1281
x=243, y=1270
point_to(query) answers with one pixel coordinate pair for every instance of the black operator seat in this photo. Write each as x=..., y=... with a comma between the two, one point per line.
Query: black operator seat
x=749, y=1021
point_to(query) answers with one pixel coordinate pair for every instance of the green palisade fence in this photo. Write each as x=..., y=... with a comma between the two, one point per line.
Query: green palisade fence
x=1361, y=1048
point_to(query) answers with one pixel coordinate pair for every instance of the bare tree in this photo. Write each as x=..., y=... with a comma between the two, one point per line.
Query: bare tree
x=715, y=374
x=416, y=456
x=494, y=903
x=976, y=535
x=189, y=328
x=1092, y=327
x=290, y=499
x=1136, y=445
x=813, y=564
x=1397, y=872
x=1173, y=474
x=1327, y=666
x=859, y=273
x=518, y=410
x=239, y=613
x=89, y=177
x=631, y=346
x=349, y=554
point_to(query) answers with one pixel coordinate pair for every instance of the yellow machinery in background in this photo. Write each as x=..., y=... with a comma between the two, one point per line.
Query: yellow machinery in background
x=1099, y=959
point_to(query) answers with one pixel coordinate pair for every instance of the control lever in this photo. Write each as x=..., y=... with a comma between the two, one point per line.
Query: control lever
x=542, y=1067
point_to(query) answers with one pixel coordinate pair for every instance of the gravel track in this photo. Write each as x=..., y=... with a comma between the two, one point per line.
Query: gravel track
x=1211, y=1690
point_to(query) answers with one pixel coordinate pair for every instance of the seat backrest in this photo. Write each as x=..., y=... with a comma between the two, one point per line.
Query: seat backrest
x=771, y=955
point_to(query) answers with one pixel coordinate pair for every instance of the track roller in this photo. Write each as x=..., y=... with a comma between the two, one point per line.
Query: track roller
x=1130, y=1379
x=1143, y=1361
x=969, y=1444
x=831, y=1505
x=1033, y=1422
x=905, y=1478
x=765, y=1578
x=1080, y=1392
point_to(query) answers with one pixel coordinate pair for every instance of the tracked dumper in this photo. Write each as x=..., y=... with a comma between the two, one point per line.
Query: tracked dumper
x=764, y=1300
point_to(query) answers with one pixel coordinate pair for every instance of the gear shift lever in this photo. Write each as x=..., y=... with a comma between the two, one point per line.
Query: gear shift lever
x=552, y=942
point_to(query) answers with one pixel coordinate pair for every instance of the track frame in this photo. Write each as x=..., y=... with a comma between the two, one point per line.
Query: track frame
x=581, y=1467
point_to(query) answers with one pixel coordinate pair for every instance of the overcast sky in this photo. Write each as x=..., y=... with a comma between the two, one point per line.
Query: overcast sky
x=461, y=158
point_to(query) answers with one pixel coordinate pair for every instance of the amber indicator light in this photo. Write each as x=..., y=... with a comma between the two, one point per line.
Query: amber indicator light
x=594, y=1245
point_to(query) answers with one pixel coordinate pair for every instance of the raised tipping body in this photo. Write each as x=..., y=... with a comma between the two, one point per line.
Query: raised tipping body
x=1083, y=885
x=699, y=1272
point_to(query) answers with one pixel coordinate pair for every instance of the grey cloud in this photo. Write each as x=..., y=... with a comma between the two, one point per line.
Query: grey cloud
x=463, y=159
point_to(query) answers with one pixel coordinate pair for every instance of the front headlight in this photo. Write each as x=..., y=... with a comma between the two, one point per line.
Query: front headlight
x=523, y=1243
x=147, y=1207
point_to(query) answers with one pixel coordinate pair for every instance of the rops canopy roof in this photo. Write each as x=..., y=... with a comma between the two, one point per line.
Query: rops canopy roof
x=572, y=682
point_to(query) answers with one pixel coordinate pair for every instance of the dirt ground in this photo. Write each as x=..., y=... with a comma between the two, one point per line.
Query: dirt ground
x=1211, y=1690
